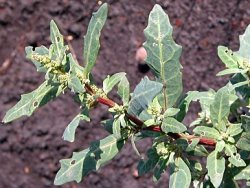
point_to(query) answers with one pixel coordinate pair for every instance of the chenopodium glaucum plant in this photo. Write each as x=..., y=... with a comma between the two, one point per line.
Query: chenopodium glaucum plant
x=156, y=109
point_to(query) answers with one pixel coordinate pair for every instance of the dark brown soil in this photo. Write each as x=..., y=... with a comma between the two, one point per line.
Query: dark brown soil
x=30, y=148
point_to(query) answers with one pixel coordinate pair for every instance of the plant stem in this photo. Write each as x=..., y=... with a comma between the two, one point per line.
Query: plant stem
x=110, y=103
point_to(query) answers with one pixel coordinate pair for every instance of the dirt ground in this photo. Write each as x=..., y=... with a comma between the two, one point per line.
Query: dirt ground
x=30, y=148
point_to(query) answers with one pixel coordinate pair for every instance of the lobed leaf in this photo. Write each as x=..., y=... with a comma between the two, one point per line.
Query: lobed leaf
x=163, y=54
x=81, y=163
x=91, y=40
x=31, y=101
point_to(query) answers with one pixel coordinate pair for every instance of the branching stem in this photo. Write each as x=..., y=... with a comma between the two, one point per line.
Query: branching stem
x=110, y=103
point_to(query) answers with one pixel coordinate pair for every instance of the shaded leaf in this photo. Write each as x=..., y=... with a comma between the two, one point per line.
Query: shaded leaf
x=163, y=54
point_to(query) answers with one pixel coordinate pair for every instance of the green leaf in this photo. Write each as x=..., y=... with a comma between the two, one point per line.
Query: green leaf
x=69, y=133
x=228, y=57
x=170, y=124
x=245, y=44
x=57, y=41
x=163, y=54
x=244, y=142
x=216, y=168
x=220, y=108
x=42, y=50
x=234, y=129
x=180, y=175
x=207, y=132
x=143, y=95
x=81, y=163
x=111, y=81
x=33, y=100
x=91, y=40
x=75, y=83
x=123, y=90
x=230, y=71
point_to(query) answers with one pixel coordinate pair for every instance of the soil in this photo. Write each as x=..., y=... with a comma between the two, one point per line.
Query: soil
x=30, y=148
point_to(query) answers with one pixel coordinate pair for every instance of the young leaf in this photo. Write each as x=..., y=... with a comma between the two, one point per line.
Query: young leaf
x=81, y=163
x=180, y=175
x=216, y=168
x=69, y=133
x=123, y=90
x=31, y=101
x=163, y=54
x=234, y=157
x=244, y=142
x=171, y=112
x=111, y=81
x=143, y=95
x=170, y=124
x=234, y=129
x=220, y=108
x=42, y=50
x=75, y=82
x=230, y=71
x=91, y=40
x=228, y=57
x=207, y=132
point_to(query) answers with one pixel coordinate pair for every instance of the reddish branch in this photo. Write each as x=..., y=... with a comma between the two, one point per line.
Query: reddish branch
x=110, y=103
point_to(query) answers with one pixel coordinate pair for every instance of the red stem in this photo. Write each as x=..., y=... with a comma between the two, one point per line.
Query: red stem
x=110, y=103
